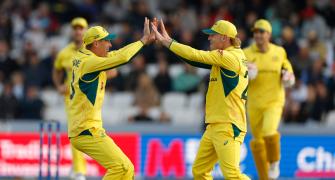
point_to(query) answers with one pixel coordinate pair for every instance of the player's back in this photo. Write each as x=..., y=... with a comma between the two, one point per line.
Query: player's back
x=87, y=94
x=226, y=95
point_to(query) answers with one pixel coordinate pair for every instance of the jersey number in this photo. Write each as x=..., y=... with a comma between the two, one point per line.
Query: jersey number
x=72, y=88
x=244, y=93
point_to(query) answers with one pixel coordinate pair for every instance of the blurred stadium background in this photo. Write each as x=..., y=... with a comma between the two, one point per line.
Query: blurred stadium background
x=162, y=140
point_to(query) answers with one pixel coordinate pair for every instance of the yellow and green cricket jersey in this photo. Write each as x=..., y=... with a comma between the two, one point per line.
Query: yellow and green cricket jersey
x=88, y=85
x=267, y=88
x=227, y=90
x=64, y=61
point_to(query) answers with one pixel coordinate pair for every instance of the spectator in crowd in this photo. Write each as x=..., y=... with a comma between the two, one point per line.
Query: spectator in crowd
x=296, y=100
x=186, y=37
x=114, y=11
x=27, y=49
x=189, y=21
x=6, y=27
x=7, y=64
x=8, y=103
x=138, y=12
x=320, y=103
x=146, y=94
x=243, y=36
x=47, y=65
x=31, y=107
x=34, y=73
x=36, y=36
x=163, y=80
x=318, y=50
x=146, y=97
x=201, y=41
x=18, y=85
x=294, y=22
x=302, y=62
x=289, y=42
x=316, y=72
x=223, y=12
x=138, y=68
x=313, y=21
x=88, y=9
x=43, y=18
x=188, y=81
x=116, y=83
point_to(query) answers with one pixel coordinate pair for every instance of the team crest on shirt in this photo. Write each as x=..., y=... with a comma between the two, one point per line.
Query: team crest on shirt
x=275, y=58
x=76, y=62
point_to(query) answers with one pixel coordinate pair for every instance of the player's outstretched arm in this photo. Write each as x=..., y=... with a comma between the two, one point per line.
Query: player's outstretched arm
x=121, y=56
x=195, y=57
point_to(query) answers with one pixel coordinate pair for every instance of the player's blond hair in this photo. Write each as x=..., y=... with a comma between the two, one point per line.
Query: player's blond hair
x=236, y=42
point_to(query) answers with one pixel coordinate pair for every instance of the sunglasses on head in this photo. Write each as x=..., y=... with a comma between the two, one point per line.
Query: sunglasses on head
x=259, y=30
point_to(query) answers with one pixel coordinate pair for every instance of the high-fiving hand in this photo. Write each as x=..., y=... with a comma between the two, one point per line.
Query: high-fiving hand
x=162, y=37
x=147, y=36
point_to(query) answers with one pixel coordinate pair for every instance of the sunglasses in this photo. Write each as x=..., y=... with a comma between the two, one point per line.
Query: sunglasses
x=259, y=31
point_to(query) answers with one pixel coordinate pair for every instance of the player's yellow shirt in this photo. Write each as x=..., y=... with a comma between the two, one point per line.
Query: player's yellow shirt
x=267, y=88
x=64, y=61
x=227, y=90
x=88, y=85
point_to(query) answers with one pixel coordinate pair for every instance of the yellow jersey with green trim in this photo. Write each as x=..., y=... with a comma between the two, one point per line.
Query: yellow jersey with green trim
x=227, y=91
x=88, y=85
x=64, y=61
x=267, y=88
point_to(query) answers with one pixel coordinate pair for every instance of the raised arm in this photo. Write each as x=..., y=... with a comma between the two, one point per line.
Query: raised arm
x=220, y=58
x=119, y=57
x=198, y=58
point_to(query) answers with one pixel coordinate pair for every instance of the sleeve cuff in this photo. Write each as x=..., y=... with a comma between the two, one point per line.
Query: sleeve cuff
x=171, y=43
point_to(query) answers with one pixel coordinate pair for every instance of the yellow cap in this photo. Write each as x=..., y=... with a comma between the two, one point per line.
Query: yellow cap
x=96, y=33
x=263, y=25
x=222, y=27
x=79, y=21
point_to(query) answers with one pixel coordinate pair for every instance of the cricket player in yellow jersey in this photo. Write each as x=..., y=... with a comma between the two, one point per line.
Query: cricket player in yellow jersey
x=86, y=130
x=269, y=72
x=225, y=99
x=63, y=63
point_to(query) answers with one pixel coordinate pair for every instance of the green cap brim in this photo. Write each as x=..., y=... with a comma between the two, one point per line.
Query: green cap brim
x=209, y=31
x=109, y=37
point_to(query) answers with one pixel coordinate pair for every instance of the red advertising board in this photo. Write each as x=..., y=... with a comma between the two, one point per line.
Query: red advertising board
x=20, y=153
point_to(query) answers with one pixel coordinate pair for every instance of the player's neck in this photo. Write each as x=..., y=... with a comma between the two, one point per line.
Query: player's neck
x=78, y=44
x=226, y=45
x=263, y=47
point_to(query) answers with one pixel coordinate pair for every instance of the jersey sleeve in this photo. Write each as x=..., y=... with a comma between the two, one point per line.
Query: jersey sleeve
x=113, y=60
x=286, y=63
x=220, y=58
